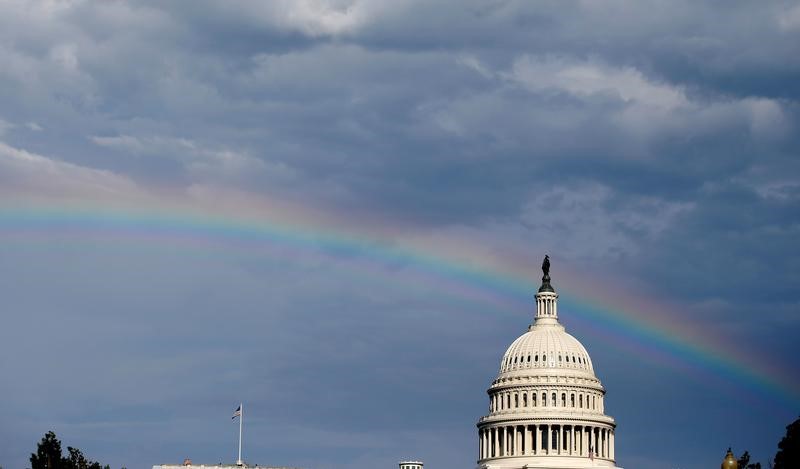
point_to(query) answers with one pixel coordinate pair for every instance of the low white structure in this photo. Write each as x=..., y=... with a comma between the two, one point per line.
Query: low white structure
x=546, y=405
x=411, y=465
x=216, y=466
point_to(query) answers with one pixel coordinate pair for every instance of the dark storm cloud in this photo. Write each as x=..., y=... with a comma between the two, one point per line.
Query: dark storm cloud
x=654, y=139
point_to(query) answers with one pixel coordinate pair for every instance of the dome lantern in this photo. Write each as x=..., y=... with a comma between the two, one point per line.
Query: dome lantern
x=546, y=298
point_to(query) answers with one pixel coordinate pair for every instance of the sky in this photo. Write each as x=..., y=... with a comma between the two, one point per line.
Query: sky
x=334, y=212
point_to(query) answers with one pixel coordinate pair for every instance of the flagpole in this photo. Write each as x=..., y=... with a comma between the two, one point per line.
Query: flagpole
x=239, y=461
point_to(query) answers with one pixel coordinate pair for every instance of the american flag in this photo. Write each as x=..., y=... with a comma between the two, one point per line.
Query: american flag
x=237, y=412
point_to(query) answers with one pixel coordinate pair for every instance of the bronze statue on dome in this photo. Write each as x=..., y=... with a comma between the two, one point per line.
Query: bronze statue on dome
x=546, y=265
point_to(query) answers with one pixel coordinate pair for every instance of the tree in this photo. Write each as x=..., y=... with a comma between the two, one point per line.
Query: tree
x=788, y=456
x=48, y=456
x=744, y=462
x=48, y=453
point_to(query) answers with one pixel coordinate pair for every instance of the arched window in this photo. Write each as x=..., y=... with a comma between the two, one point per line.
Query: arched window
x=572, y=400
x=544, y=399
x=593, y=403
x=529, y=358
x=533, y=396
x=580, y=401
x=536, y=358
x=516, y=400
x=554, y=400
x=559, y=359
x=508, y=401
x=563, y=399
x=525, y=399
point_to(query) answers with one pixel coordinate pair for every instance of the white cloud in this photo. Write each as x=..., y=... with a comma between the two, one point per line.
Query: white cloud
x=200, y=161
x=592, y=77
x=26, y=173
x=789, y=19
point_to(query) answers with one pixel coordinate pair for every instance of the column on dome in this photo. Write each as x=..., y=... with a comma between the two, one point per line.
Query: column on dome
x=528, y=440
x=572, y=447
x=518, y=430
x=596, y=438
x=611, y=453
x=602, y=444
x=546, y=438
x=571, y=442
x=495, y=450
x=515, y=451
x=589, y=442
x=556, y=445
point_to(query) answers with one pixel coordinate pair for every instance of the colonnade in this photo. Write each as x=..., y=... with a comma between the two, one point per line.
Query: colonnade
x=546, y=439
x=546, y=305
x=548, y=398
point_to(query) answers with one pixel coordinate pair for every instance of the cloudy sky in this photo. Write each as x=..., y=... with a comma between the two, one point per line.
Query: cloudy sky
x=335, y=212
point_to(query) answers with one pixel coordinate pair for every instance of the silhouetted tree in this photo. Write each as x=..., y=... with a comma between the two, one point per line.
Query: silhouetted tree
x=48, y=456
x=788, y=456
x=48, y=453
x=744, y=462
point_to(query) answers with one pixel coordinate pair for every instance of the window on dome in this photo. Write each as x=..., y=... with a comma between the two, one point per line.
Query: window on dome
x=536, y=358
x=580, y=401
x=554, y=399
x=563, y=399
x=529, y=358
x=544, y=400
x=544, y=358
x=515, y=360
x=516, y=400
x=533, y=396
x=525, y=400
x=559, y=359
x=573, y=359
x=508, y=401
x=572, y=400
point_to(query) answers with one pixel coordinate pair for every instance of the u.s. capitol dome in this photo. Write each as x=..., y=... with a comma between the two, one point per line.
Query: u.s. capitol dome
x=546, y=404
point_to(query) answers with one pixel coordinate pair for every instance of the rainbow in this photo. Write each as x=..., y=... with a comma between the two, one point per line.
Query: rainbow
x=467, y=271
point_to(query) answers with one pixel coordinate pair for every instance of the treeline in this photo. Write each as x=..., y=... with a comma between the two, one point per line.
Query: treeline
x=788, y=455
x=48, y=455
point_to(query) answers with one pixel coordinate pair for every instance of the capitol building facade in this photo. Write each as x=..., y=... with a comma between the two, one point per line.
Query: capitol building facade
x=546, y=404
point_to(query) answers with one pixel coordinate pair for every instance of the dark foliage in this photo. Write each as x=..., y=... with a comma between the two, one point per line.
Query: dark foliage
x=788, y=456
x=744, y=462
x=48, y=456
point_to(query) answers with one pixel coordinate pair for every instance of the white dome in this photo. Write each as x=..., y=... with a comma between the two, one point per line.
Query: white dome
x=545, y=347
x=546, y=406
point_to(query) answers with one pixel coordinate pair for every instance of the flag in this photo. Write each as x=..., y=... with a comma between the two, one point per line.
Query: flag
x=237, y=412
